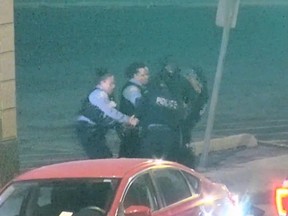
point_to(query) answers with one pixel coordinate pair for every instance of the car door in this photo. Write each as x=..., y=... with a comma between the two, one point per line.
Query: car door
x=141, y=192
x=178, y=197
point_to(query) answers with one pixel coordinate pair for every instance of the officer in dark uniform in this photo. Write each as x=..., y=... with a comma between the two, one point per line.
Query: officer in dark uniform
x=132, y=102
x=98, y=114
x=190, y=87
x=175, y=109
x=162, y=120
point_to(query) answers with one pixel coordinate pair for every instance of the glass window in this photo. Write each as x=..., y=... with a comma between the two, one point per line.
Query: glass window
x=141, y=192
x=13, y=198
x=193, y=181
x=53, y=197
x=172, y=185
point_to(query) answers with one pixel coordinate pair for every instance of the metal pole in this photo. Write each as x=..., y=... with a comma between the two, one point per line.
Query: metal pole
x=214, y=98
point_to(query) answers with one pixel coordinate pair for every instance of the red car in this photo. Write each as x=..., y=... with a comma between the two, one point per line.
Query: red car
x=122, y=187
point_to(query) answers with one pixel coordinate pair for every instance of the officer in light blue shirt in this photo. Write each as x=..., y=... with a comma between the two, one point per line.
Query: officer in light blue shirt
x=99, y=114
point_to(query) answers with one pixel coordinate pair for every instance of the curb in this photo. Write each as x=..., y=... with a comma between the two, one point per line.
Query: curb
x=225, y=143
x=276, y=143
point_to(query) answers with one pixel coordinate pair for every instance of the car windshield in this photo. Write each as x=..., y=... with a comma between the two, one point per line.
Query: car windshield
x=55, y=198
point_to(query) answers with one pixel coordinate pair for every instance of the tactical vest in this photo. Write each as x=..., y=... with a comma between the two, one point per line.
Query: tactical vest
x=164, y=108
x=95, y=114
x=126, y=106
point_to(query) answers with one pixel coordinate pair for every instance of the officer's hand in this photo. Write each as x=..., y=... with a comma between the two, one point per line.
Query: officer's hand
x=133, y=120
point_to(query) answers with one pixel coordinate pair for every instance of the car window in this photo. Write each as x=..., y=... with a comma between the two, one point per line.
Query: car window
x=13, y=198
x=193, y=182
x=172, y=185
x=51, y=198
x=141, y=192
x=74, y=196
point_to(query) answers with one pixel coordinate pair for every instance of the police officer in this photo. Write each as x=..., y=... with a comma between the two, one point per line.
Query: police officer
x=98, y=114
x=161, y=122
x=132, y=102
x=181, y=89
x=190, y=87
x=172, y=99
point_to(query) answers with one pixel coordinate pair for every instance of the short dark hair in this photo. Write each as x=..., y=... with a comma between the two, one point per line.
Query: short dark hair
x=133, y=68
x=102, y=74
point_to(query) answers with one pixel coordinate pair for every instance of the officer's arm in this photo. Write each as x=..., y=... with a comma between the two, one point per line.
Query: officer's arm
x=100, y=99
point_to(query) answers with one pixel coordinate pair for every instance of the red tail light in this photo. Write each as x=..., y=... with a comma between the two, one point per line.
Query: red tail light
x=282, y=199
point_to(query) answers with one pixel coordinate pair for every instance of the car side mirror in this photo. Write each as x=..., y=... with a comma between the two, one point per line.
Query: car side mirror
x=137, y=210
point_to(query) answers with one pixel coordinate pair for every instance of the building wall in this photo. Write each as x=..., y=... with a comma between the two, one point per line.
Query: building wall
x=8, y=127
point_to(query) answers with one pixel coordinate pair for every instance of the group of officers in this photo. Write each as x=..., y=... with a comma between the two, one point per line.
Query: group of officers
x=155, y=116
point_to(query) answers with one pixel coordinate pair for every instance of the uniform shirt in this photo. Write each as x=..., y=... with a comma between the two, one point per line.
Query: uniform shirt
x=132, y=92
x=100, y=99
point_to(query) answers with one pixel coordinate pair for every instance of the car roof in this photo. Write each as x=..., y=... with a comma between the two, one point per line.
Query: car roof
x=99, y=168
